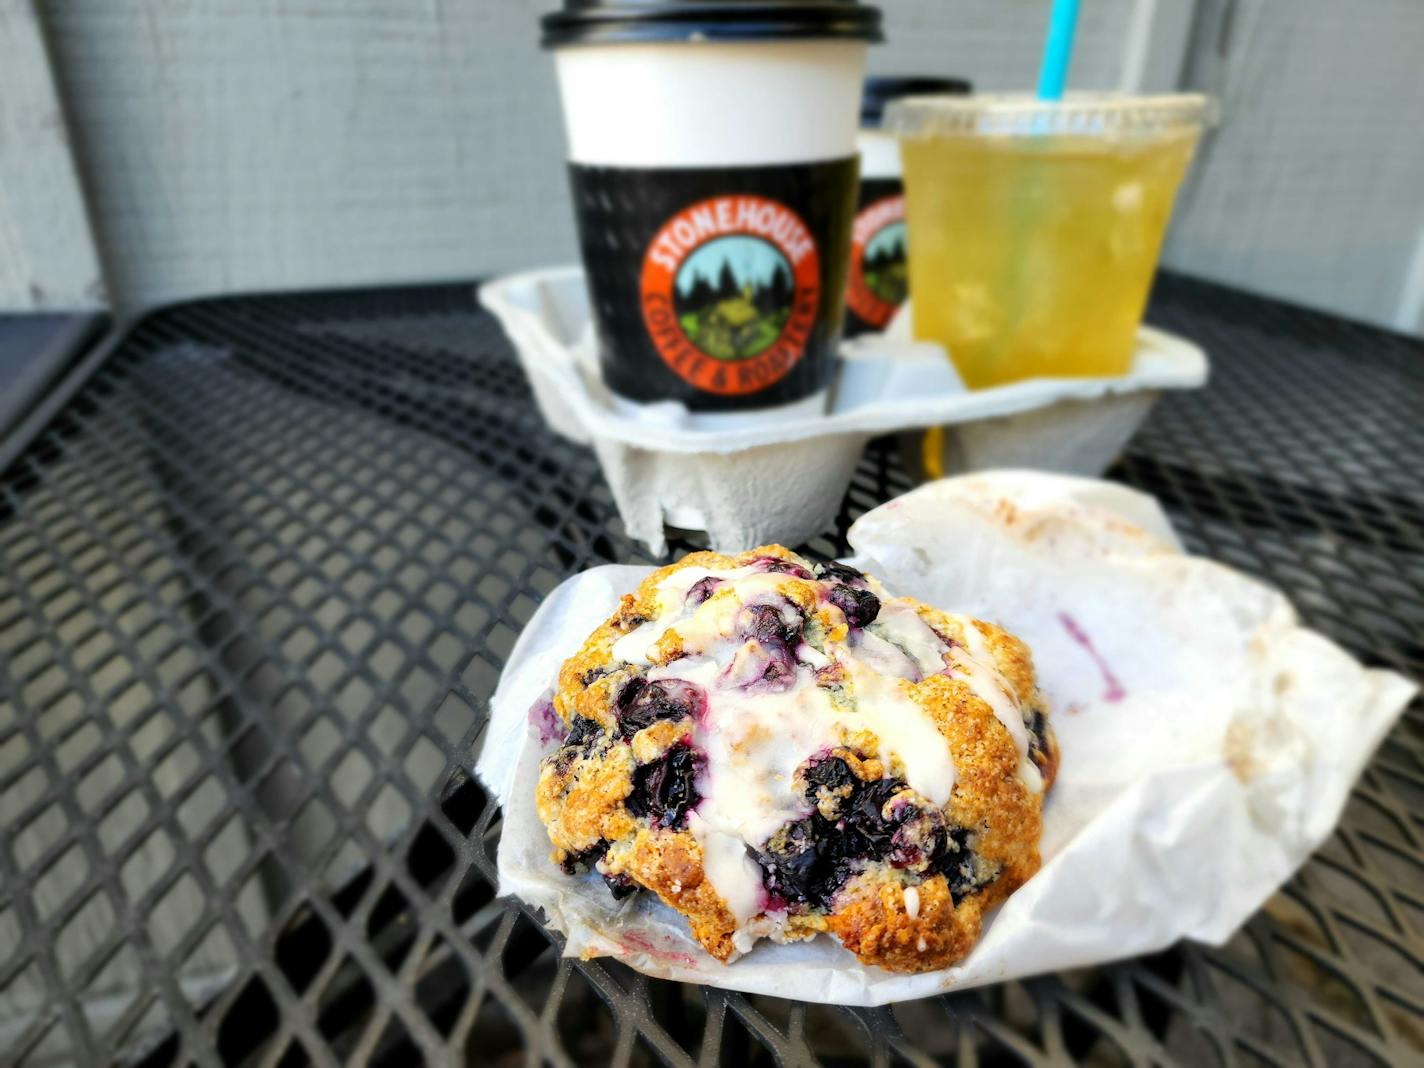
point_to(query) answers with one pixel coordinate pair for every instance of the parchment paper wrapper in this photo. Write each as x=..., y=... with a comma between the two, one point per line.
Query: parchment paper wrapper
x=1209, y=742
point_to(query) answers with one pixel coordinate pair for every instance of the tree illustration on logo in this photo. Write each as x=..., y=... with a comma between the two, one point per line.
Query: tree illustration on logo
x=778, y=294
x=701, y=294
x=883, y=266
x=733, y=296
x=727, y=286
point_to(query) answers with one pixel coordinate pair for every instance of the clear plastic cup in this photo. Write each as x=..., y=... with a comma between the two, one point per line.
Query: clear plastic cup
x=1034, y=227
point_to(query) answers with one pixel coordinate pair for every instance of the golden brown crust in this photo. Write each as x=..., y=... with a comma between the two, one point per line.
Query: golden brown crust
x=987, y=792
x=874, y=922
x=584, y=805
x=919, y=910
x=1016, y=664
x=669, y=863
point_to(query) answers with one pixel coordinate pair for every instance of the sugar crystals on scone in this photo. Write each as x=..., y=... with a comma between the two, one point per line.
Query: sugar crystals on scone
x=778, y=748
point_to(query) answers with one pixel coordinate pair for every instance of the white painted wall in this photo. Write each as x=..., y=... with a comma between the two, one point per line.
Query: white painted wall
x=228, y=146
x=996, y=43
x=47, y=258
x=1313, y=187
x=258, y=144
x=232, y=146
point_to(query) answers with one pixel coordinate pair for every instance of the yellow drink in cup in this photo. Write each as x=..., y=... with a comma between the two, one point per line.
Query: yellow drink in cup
x=1034, y=228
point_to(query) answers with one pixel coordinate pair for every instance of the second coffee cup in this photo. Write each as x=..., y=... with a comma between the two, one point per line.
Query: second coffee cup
x=714, y=172
x=879, y=273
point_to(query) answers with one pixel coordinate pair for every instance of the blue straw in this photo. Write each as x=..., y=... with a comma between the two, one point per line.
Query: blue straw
x=1058, y=50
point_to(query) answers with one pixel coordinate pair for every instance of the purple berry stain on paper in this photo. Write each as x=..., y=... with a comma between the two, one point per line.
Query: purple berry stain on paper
x=1113, y=691
x=636, y=942
x=545, y=721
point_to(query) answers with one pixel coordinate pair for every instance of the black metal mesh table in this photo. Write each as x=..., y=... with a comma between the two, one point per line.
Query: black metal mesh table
x=259, y=576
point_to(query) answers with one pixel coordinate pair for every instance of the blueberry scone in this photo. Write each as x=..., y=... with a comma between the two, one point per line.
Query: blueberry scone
x=778, y=748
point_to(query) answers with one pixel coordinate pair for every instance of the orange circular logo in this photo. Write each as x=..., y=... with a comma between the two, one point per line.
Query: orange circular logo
x=878, y=272
x=731, y=286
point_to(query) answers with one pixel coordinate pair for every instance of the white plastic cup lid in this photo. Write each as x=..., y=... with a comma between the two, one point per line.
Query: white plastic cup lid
x=1086, y=114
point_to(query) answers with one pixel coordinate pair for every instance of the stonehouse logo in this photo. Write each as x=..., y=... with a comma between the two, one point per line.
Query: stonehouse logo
x=730, y=290
x=878, y=272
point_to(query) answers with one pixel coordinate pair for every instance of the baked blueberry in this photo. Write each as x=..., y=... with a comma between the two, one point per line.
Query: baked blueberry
x=770, y=623
x=665, y=789
x=642, y=703
x=584, y=734
x=584, y=860
x=831, y=775
x=1042, y=745
x=806, y=863
x=860, y=607
x=831, y=571
x=621, y=886
x=919, y=828
x=762, y=667
x=702, y=589
x=592, y=675
x=964, y=871
x=629, y=693
x=779, y=565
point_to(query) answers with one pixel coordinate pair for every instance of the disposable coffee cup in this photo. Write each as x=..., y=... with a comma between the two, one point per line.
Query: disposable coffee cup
x=713, y=162
x=879, y=272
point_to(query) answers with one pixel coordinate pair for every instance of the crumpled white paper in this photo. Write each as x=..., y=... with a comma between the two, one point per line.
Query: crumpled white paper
x=1209, y=742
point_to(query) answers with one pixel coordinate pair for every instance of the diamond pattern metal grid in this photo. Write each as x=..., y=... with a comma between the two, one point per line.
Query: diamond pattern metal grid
x=259, y=577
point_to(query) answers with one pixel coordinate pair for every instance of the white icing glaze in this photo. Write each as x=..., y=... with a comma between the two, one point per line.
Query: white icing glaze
x=672, y=591
x=755, y=738
x=974, y=663
x=725, y=862
x=912, y=903
x=1031, y=776
x=808, y=654
x=753, y=586
x=696, y=624
x=754, y=743
x=900, y=625
x=883, y=705
x=874, y=651
x=634, y=646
